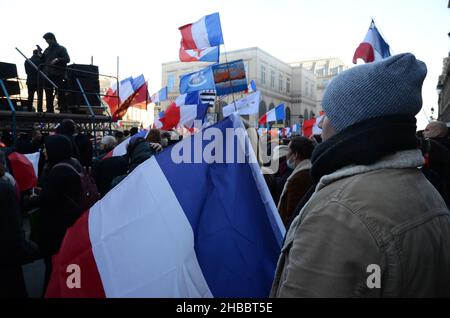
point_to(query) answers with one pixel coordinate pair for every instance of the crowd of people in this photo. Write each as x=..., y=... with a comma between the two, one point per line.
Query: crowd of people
x=369, y=190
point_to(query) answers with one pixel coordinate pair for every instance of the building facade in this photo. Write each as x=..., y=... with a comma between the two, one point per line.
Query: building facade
x=279, y=82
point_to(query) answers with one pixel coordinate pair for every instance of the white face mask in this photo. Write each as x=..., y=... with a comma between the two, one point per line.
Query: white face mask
x=291, y=164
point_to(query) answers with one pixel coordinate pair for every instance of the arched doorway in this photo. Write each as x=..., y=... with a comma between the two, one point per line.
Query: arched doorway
x=288, y=117
x=262, y=108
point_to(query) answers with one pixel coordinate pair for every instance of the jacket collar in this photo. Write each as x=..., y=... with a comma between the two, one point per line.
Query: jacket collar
x=399, y=160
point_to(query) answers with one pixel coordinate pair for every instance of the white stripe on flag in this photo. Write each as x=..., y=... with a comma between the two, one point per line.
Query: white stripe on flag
x=142, y=242
x=34, y=159
x=200, y=34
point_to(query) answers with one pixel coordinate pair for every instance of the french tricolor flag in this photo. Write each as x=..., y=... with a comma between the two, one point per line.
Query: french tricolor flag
x=204, y=33
x=373, y=48
x=177, y=230
x=24, y=169
x=159, y=96
x=186, y=109
x=311, y=126
x=273, y=115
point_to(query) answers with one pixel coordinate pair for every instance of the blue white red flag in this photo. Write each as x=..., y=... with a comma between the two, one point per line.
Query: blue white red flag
x=179, y=228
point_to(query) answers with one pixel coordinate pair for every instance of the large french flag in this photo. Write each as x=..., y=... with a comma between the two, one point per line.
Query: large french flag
x=178, y=230
x=210, y=54
x=373, y=48
x=273, y=115
x=204, y=33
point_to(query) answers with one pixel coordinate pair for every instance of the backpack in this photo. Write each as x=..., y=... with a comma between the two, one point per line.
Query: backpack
x=88, y=189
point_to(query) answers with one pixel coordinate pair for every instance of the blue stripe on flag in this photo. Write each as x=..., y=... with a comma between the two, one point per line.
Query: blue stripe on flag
x=214, y=29
x=279, y=112
x=236, y=226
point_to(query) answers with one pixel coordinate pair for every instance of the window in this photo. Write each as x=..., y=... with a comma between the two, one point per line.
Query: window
x=263, y=74
x=280, y=83
x=171, y=83
x=306, y=88
x=288, y=85
x=311, y=91
x=272, y=78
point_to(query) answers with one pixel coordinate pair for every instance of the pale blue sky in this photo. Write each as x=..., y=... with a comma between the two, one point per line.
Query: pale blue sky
x=145, y=33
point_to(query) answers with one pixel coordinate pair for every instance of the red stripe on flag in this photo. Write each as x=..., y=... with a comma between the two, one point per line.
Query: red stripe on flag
x=75, y=249
x=23, y=171
x=187, y=40
x=263, y=119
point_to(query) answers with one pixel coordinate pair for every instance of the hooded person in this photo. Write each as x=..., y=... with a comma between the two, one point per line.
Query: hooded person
x=374, y=226
x=59, y=200
x=15, y=249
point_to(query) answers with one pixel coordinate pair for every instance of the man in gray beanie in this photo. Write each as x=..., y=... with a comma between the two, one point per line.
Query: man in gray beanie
x=374, y=226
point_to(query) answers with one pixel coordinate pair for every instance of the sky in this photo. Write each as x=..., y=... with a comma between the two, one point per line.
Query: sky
x=144, y=34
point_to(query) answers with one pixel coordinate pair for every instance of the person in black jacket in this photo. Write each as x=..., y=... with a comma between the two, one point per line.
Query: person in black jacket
x=32, y=81
x=55, y=59
x=15, y=250
x=59, y=201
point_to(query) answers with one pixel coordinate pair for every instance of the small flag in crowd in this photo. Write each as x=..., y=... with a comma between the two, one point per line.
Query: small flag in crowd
x=197, y=81
x=184, y=111
x=273, y=115
x=186, y=232
x=204, y=33
x=311, y=126
x=210, y=54
x=24, y=169
x=251, y=87
x=373, y=48
x=160, y=96
x=248, y=105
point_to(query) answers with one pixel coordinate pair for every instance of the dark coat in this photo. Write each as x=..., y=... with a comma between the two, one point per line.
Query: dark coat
x=15, y=250
x=32, y=73
x=52, y=52
x=106, y=170
x=85, y=149
x=296, y=186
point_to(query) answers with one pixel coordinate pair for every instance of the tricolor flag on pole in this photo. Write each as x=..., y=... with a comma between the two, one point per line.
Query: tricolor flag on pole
x=174, y=229
x=204, y=33
x=273, y=115
x=160, y=96
x=184, y=111
x=373, y=48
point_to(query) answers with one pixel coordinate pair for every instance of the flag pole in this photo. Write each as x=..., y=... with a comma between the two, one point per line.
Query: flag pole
x=229, y=76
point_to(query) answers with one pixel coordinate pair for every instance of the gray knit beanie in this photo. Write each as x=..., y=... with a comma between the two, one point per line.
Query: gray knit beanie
x=389, y=87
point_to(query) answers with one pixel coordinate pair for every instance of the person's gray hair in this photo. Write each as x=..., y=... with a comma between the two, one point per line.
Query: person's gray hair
x=109, y=142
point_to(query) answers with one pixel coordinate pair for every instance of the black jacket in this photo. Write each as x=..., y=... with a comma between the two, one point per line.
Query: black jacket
x=15, y=250
x=32, y=74
x=52, y=52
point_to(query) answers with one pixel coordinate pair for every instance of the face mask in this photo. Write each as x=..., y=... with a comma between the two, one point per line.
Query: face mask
x=291, y=164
